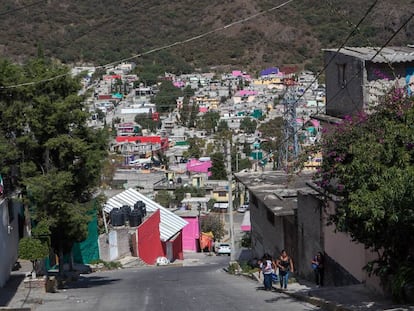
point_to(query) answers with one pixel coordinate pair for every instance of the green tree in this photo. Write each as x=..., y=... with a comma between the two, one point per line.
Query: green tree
x=146, y=122
x=33, y=249
x=222, y=126
x=195, y=147
x=214, y=224
x=163, y=197
x=166, y=99
x=209, y=121
x=368, y=163
x=48, y=151
x=248, y=125
x=218, y=170
x=179, y=193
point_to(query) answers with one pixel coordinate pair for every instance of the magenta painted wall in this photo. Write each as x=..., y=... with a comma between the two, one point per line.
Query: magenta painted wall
x=190, y=234
x=196, y=166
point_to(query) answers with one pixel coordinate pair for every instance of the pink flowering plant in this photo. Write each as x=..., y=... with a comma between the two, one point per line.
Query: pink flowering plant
x=368, y=163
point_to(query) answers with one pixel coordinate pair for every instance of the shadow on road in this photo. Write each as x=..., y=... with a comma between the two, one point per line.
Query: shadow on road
x=91, y=281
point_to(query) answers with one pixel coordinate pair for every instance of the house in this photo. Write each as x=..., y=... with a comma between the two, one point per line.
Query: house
x=272, y=206
x=9, y=237
x=344, y=258
x=158, y=235
x=191, y=233
x=287, y=212
x=202, y=165
x=357, y=76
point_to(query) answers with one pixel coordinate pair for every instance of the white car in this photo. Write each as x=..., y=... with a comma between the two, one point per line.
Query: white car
x=243, y=208
x=223, y=249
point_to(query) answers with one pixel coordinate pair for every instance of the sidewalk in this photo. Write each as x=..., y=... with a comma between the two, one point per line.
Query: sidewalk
x=341, y=298
x=14, y=295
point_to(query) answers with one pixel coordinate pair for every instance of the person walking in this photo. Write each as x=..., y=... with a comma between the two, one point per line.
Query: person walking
x=318, y=266
x=285, y=265
x=267, y=268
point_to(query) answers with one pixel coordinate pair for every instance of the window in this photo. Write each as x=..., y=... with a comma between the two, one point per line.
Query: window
x=222, y=193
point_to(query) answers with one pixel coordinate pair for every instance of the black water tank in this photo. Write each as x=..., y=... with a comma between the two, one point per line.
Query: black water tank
x=138, y=204
x=135, y=218
x=143, y=209
x=125, y=210
x=117, y=218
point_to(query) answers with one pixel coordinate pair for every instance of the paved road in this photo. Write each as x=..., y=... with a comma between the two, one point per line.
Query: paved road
x=200, y=285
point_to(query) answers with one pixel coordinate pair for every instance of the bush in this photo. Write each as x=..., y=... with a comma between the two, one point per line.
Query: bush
x=110, y=265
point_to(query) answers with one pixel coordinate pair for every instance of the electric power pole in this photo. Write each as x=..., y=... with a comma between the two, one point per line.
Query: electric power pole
x=230, y=206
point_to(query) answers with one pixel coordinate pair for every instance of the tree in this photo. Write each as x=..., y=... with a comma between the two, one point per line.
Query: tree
x=368, y=164
x=179, y=193
x=195, y=147
x=146, y=122
x=209, y=121
x=222, y=126
x=166, y=98
x=248, y=125
x=214, y=224
x=48, y=151
x=163, y=197
x=33, y=249
x=218, y=170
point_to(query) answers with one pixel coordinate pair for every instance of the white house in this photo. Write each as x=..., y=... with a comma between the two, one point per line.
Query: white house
x=9, y=238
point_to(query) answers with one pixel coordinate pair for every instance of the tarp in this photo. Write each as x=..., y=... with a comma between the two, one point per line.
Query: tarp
x=87, y=251
x=117, y=95
x=206, y=240
x=269, y=71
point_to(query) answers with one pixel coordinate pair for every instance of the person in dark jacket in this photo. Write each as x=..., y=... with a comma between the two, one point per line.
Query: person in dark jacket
x=318, y=266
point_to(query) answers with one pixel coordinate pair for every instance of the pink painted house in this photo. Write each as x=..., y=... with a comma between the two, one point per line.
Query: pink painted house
x=202, y=165
x=191, y=234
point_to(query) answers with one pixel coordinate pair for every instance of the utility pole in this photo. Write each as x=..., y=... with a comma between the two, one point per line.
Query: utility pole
x=290, y=151
x=230, y=207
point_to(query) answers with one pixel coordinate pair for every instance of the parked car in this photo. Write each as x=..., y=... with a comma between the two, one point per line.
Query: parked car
x=243, y=208
x=223, y=249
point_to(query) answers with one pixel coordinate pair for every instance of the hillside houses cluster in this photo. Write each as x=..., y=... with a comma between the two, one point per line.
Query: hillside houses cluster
x=285, y=211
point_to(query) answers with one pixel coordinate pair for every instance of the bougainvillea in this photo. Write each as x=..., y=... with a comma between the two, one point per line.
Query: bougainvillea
x=368, y=164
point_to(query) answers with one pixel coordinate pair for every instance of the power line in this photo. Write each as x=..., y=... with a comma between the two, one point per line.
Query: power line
x=21, y=8
x=359, y=71
x=377, y=53
x=296, y=100
x=168, y=46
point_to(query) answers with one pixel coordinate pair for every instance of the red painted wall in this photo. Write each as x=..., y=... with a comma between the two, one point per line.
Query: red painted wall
x=178, y=246
x=148, y=239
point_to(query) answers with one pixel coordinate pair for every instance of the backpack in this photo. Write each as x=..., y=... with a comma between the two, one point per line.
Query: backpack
x=268, y=267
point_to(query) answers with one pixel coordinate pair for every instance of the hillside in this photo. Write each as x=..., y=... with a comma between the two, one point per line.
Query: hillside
x=103, y=31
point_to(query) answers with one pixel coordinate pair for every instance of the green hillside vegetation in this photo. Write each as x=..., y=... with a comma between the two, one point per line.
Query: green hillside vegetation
x=102, y=31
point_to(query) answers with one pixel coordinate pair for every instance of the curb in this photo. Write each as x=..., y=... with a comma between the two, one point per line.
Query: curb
x=318, y=302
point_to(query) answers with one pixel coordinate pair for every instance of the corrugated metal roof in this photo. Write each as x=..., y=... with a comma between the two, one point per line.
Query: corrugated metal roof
x=387, y=55
x=170, y=223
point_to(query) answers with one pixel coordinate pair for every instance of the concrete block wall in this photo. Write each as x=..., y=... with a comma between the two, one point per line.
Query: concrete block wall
x=116, y=244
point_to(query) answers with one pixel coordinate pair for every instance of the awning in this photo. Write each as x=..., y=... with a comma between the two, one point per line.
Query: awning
x=245, y=226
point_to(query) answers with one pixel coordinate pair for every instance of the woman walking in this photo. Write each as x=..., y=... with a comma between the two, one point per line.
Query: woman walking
x=285, y=265
x=318, y=266
x=267, y=268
